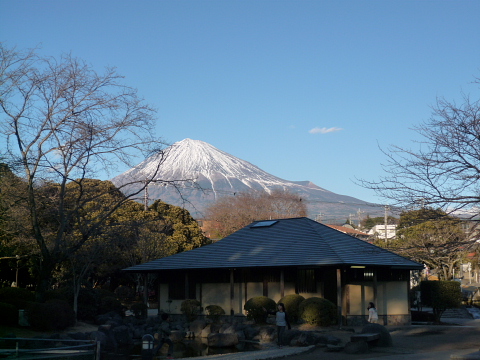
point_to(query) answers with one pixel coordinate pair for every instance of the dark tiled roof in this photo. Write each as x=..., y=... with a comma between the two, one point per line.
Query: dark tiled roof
x=287, y=242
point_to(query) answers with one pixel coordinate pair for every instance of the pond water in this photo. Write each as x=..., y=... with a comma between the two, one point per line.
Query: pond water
x=184, y=349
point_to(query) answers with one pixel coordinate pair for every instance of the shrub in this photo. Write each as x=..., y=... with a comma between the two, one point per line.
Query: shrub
x=214, y=312
x=140, y=310
x=191, y=308
x=17, y=297
x=254, y=308
x=110, y=303
x=441, y=295
x=103, y=293
x=124, y=293
x=292, y=306
x=8, y=314
x=51, y=315
x=318, y=311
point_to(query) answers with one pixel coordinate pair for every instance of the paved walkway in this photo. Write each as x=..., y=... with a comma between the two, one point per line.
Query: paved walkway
x=269, y=353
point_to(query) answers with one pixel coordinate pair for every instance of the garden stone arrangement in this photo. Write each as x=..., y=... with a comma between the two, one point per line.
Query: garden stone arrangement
x=116, y=332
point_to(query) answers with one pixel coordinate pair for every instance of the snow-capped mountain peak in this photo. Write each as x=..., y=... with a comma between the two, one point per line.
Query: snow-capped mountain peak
x=195, y=163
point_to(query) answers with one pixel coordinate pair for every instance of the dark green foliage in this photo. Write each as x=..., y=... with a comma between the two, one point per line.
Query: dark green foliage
x=8, y=314
x=292, y=306
x=51, y=315
x=214, y=312
x=124, y=293
x=440, y=296
x=110, y=303
x=318, y=311
x=17, y=297
x=191, y=308
x=140, y=310
x=254, y=308
x=90, y=301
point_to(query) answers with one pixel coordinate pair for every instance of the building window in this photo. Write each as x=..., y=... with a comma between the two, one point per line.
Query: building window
x=176, y=290
x=306, y=281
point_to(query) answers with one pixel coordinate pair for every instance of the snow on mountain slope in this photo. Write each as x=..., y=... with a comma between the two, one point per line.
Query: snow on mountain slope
x=197, y=164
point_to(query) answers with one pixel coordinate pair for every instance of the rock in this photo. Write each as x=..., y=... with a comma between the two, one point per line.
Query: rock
x=205, y=332
x=197, y=326
x=329, y=340
x=103, y=339
x=307, y=338
x=266, y=334
x=122, y=335
x=78, y=336
x=229, y=330
x=334, y=348
x=250, y=332
x=357, y=347
x=177, y=335
x=222, y=340
x=385, y=337
x=240, y=335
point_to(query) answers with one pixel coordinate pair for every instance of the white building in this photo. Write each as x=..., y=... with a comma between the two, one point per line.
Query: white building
x=379, y=231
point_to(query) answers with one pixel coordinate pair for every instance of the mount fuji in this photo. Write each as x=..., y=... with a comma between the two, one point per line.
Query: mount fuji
x=202, y=173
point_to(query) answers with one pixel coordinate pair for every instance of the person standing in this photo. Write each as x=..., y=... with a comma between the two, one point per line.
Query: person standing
x=164, y=333
x=281, y=320
x=372, y=313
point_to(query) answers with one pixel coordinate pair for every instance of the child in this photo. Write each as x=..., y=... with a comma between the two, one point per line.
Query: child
x=372, y=313
x=163, y=333
x=281, y=319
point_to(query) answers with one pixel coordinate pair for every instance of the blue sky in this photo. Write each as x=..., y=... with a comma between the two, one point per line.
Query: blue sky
x=306, y=90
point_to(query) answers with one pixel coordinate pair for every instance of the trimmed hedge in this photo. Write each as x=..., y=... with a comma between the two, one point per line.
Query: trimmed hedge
x=254, y=308
x=8, y=314
x=318, y=311
x=441, y=295
x=191, y=308
x=17, y=297
x=140, y=310
x=292, y=306
x=51, y=315
x=214, y=312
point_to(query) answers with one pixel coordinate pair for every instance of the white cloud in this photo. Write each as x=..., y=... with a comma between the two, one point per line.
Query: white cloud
x=324, y=130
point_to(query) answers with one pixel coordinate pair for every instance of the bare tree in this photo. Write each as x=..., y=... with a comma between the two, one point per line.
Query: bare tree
x=61, y=123
x=445, y=168
x=231, y=213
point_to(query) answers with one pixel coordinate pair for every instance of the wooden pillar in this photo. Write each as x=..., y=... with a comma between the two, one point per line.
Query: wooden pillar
x=232, y=292
x=282, y=284
x=187, y=292
x=339, y=296
x=245, y=283
x=265, y=285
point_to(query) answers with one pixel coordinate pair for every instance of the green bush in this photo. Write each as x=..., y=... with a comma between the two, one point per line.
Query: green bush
x=8, y=314
x=191, y=308
x=440, y=296
x=90, y=302
x=17, y=297
x=140, y=310
x=103, y=293
x=110, y=303
x=292, y=306
x=254, y=308
x=124, y=293
x=318, y=311
x=51, y=315
x=214, y=312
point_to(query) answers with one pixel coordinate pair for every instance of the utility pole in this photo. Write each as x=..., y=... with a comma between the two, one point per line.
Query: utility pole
x=386, y=220
x=145, y=196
